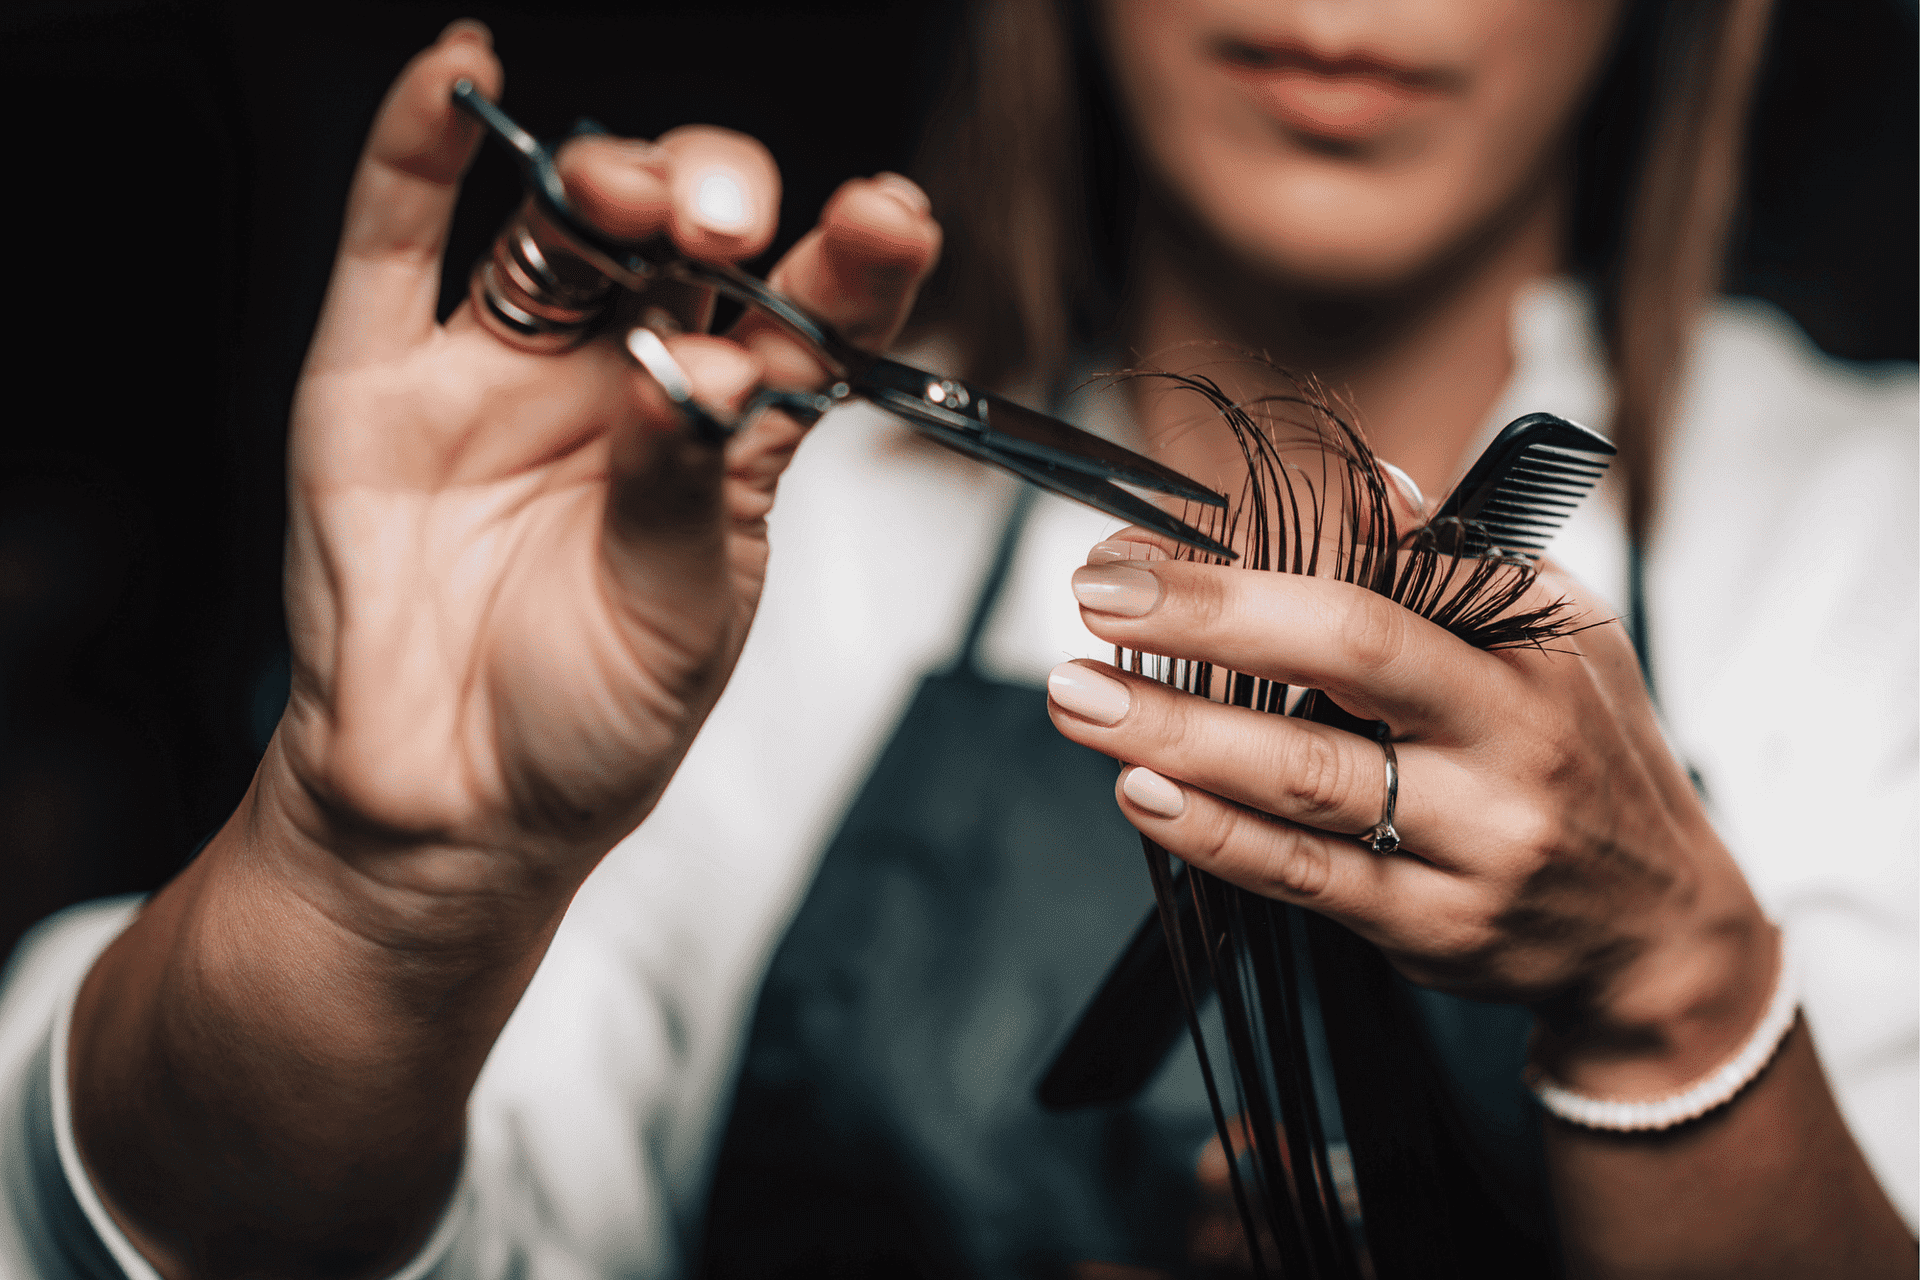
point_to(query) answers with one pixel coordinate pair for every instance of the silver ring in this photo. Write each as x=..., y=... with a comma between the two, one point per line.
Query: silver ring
x=532, y=293
x=1382, y=838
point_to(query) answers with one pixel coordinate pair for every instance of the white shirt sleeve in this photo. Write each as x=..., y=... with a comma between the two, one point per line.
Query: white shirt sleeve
x=52, y=1223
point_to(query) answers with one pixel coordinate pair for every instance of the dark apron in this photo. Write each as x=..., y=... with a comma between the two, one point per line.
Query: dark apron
x=885, y=1121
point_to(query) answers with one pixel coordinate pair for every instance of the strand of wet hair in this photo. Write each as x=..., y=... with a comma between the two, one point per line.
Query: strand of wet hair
x=1340, y=524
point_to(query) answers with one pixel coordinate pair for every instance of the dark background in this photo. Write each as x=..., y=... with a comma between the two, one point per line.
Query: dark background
x=178, y=173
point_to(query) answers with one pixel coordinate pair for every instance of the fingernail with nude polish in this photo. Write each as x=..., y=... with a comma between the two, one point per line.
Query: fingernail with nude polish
x=1088, y=694
x=636, y=151
x=720, y=202
x=1113, y=549
x=1404, y=483
x=1117, y=589
x=1154, y=793
x=468, y=29
x=906, y=191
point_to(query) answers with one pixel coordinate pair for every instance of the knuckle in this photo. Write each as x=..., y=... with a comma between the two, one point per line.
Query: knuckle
x=1555, y=758
x=1533, y=840
x=1209, y=842
x=1519, y=842
x=1268, y=856
x=1169, y=724
x=1373, y=633
x=1205, y=598
x=1470, y=939
x=868, y=218
x=1315, y=777
x=1296, y=864
x=1456, y=944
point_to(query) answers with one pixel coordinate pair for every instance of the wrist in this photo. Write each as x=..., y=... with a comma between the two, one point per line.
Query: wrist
x=1674, y=1012
x=433, y=894
x=236, y=1055
x=1702, y=1096
x=273, y=981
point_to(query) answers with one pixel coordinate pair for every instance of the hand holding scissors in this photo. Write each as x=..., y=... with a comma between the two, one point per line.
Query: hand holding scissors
x=554, y=277
x=515, y=585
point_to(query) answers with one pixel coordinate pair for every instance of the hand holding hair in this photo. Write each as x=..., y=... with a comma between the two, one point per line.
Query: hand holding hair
x=1551, y=850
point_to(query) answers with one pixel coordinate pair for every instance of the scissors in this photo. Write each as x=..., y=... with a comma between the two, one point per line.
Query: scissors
x=1042, y=450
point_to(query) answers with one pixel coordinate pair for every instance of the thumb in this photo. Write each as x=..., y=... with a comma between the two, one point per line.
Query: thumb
x=386, y=275
x=1409, y=504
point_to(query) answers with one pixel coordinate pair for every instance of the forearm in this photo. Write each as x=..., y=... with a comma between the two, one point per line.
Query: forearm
x=261, y=1082
x=1771, y=1185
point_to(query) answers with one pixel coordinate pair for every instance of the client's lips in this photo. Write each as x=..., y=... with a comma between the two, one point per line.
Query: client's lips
x=1347, y=99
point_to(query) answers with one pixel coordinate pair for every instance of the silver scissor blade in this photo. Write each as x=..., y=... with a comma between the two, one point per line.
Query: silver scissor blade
x=1049, y=452
x=1049, y=440
x=944, y=404
x=1099, y=494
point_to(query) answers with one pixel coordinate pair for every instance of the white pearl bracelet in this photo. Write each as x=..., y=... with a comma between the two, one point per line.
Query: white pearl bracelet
x=1709, y=1094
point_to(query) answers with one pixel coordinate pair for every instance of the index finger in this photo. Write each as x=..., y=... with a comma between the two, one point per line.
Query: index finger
x=714, y=191
x=858, y=270
x=726, y=193
x=1377, y=659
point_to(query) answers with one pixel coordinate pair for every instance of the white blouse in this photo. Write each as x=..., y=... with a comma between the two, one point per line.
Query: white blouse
x=1781, y=589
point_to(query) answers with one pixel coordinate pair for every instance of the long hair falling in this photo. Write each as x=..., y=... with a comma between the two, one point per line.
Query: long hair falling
x=1315, y=501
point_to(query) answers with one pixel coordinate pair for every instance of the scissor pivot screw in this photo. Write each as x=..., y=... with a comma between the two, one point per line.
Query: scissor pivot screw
x=949, y=393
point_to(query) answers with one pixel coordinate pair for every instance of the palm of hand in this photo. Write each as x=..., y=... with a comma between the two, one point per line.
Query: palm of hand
x=515, y=584
x=478, y=660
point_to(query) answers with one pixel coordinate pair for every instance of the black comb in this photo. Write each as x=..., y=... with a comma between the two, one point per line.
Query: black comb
x=1512, y=501
x=1522, y=489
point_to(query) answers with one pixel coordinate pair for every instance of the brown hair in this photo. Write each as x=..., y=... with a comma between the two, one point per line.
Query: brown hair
x=1031, y=177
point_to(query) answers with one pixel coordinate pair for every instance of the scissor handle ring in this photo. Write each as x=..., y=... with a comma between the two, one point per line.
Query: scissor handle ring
x=633, y=267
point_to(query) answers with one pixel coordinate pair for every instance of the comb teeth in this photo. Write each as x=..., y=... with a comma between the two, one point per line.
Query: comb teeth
x=1534, y=497
x=1522, y=489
